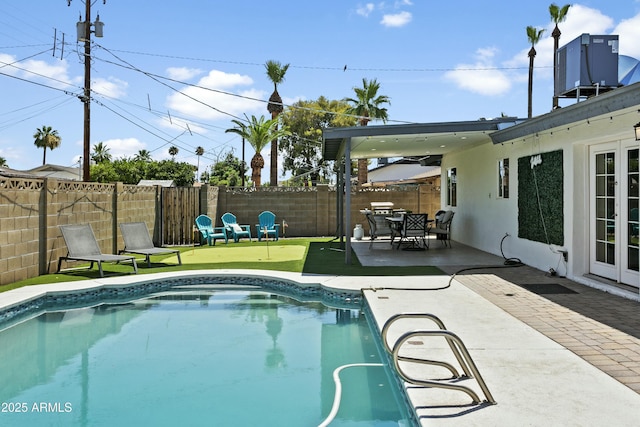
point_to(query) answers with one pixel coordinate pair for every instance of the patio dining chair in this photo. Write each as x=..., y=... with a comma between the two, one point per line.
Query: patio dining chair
x=83, y=246
x=378, y=229
x=138, y=241
x=208, y=232
x=414, y=231
x=234, y=229
x=442, y=228
x=267, y=226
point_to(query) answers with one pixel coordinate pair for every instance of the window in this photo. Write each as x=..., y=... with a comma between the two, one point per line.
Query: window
x=452, y=190
x=503, y=179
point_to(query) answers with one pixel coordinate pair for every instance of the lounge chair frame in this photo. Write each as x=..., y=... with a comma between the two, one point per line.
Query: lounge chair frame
x=138, y=241
x=82, y=246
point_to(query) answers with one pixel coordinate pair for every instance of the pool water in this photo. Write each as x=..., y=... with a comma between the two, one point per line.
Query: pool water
x=195, y=358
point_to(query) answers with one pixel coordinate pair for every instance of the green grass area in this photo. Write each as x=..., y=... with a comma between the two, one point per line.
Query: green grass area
x=303, y=255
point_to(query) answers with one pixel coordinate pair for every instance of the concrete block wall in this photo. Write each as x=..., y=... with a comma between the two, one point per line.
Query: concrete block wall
x=31, y=211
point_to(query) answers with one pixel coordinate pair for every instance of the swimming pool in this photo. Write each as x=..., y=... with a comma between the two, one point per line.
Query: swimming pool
x=197, y=356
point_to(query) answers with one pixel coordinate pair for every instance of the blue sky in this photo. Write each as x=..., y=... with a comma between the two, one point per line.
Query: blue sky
x=437, y=61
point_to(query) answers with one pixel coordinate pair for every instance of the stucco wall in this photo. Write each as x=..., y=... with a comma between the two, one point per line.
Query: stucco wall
x=482, y=219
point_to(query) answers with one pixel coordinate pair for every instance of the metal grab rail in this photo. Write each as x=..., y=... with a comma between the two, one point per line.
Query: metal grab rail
x=440, y=323
x=448, y=335
x=457, y=347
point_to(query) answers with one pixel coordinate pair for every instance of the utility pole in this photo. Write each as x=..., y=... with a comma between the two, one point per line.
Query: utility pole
x=84, y=33
x=86, y=175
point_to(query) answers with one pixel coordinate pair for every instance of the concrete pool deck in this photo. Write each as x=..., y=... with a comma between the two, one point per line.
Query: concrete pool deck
x=546, y=362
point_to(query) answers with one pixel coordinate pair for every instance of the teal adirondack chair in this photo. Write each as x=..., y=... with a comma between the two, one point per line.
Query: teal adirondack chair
x=234, y=229
x=267, y=225
x=208, y=232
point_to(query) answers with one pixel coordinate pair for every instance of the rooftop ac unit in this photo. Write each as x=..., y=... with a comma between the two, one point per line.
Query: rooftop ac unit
x=587, y=66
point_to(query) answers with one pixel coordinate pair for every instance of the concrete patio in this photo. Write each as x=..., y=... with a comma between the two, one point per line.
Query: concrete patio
x=562, y=354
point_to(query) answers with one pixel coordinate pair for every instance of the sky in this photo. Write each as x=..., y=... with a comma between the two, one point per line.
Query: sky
x=177, y=73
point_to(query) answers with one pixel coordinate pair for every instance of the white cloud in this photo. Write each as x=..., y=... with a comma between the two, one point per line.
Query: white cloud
x=396, y=20
x=218, y=94
x=55, y=74
x=580, y=19
x=629, y=32
x=111, y=87
x=183, y=73
x=365, y=10
x=127, y=147
x=481, y=77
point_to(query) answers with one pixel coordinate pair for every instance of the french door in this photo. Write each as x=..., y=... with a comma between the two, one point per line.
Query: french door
x=614, y=212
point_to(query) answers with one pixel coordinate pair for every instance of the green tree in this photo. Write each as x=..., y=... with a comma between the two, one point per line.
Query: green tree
x=143, y=155
x=276, y=72
x=46, y=137
x=367, y=105
x=534, y=35
x=173, y=152
x=101, y=153
x=226, y=172
x=132, y=171
x=302, y=149
x=199, y=152
x=3, y=162
x=558, y=15
x=258, y=132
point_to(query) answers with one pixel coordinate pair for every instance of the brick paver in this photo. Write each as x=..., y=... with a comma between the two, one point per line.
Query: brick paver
x=601, y=328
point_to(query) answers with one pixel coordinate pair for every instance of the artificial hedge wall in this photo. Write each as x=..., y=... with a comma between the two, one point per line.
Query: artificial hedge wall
x=548, y=178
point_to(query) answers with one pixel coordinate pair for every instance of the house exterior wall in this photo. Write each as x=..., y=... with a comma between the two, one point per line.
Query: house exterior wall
x=482, y=219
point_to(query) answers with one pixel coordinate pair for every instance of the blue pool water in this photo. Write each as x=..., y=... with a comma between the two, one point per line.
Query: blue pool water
x=196, y=358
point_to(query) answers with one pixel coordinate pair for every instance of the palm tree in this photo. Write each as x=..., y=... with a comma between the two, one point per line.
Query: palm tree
x=533, y=34
x=367, y=106
x=46, y=137
x=3, y=162
x=101, y=153
x=259, y=132
x=275, y=72
x=173, y=152
x=143, y=155
x=558, y=14
x=199, y=152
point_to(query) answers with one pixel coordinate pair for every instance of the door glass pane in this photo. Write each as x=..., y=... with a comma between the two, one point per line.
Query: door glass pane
x=632, y=216
x=605, y=221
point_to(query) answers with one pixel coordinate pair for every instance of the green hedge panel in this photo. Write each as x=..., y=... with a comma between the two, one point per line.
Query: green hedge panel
x=540, y=198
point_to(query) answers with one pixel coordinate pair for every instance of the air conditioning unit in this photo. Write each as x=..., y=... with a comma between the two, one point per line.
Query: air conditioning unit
x=587, y=66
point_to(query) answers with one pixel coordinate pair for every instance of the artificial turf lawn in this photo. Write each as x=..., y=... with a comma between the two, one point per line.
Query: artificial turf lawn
x=304, y=255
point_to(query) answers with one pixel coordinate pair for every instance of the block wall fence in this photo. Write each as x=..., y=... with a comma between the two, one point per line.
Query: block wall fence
x=31, y=211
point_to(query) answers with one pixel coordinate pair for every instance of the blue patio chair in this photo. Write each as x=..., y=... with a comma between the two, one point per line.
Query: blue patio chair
x=208, y=232
x=234, y=229
x=267, y=225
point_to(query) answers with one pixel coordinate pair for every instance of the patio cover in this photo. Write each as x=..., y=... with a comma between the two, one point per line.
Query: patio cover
x=414, y=139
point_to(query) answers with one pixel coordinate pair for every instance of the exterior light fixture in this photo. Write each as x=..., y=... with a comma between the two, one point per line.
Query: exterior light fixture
x=636, y=128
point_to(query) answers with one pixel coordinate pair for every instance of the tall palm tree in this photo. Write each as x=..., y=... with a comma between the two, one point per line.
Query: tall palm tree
x=534, y=35
x=173, y=152
x=367, y=105
x=46, y=137
x=101, y=153
x=275, y=72
x=199, y=152
x=143, y=155
x=259, y=132
x=558, y=14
